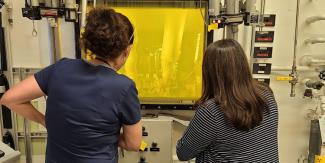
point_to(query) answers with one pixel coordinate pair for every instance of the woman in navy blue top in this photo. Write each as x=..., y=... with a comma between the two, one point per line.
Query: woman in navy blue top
x=88, y=101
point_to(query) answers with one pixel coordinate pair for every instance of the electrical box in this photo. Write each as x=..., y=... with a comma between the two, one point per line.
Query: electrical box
x=263, y=52
x=157, y=133
x=262, y=68
x=251, y=18
x=269, y=20
x=264, y=36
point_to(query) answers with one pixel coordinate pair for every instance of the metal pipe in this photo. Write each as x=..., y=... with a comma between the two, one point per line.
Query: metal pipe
x=315, y=41
x=57, y=42
x=251, y=7
x=232, y=7
x=308, y=60
x=214, y=7
x=10, y=68
x=261, y=15
x=294, y=73
x=27, y=139
x=314, y=19
x=54, y=53
x=315, y=141
x=294, y=65
x=289, y=68
x=252, y=46
x=83, y=13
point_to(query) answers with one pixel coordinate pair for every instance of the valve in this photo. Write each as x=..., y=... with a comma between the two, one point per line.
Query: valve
x=322, y=75
x=314, y=84
x=318, y=85
x=308, y=93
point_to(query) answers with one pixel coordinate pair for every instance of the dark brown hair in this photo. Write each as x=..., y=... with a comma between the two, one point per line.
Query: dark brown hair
x=107, y=33
x=228, y=80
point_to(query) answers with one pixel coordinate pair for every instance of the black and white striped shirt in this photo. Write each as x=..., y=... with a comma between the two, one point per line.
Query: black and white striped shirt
x=211, y=139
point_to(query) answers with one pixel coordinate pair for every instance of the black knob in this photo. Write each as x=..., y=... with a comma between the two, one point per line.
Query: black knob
x=154, y=144
x=322, y=75
x=142, y=160
x=143, y=128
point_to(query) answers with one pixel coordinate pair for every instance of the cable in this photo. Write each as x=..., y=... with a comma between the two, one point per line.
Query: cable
x=28, y=4
x=207, y=24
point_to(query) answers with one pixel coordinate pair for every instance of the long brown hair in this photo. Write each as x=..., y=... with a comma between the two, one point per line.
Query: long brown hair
x=228, y=80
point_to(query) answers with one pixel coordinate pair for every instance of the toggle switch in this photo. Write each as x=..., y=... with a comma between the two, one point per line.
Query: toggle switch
x=144, y=133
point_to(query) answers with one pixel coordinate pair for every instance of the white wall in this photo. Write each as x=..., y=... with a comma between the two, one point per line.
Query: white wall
x=293, y=122
x=34, y=52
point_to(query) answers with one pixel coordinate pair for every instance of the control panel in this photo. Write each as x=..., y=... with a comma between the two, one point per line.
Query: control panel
x=264, y=36
x=157, y=136
x=262, y=68
x=269, y=20
x=263, y=50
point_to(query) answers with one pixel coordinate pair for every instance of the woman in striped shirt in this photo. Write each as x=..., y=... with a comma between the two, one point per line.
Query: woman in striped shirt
x=236, y=118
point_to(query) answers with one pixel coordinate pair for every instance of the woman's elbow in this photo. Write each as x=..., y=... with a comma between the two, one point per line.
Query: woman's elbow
x=182, y=156
x=5, y=101
x=184, y=153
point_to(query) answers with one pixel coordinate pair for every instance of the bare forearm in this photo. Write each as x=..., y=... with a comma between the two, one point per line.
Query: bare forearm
x=28, y=111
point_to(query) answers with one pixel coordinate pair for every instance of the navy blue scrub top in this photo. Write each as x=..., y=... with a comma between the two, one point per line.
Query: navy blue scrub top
x=85, y=109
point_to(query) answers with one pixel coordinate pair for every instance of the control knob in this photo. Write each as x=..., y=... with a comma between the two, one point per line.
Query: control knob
x=322, y=75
